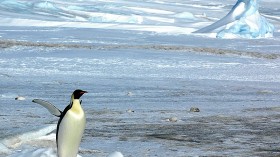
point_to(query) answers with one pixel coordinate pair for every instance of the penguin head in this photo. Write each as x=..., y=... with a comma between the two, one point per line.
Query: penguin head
x=78, y=93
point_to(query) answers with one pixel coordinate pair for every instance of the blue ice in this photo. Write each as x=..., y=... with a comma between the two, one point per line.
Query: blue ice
x=244, y=20
x=45, y=6
x=14, y=5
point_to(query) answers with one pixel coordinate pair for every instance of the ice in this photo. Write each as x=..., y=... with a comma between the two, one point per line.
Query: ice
x=185, y=15
x=8, y=96
x=41, y=152
x=243, y=21
x=16, y=141
x=115, y=154
x=250, y=25
x=14, y=5
x=149, y=10
x=48, y=6
x=23, y=150
x=144, y=70
x=4, y=149
x=100, y=17
x=169, y=82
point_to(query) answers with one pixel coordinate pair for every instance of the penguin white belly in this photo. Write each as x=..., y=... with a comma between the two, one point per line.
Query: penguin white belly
x=70, y=132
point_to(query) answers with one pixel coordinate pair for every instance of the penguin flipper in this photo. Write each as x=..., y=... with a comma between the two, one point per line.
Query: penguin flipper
x=51, y=108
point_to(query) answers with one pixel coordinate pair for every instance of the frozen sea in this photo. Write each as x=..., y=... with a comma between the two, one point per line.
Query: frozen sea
x=143, y=68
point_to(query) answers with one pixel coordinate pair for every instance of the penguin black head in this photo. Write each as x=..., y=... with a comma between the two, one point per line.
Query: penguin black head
x=78, y=93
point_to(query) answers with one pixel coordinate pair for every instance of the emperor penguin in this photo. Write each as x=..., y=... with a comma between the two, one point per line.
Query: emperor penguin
x=238, y=10
x=70, y=126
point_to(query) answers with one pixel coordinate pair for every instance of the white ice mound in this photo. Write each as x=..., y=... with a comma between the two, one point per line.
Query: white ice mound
x=11, y=143
x=243, y=21
x=115, y=154
x=250, y=25
x=42, y=152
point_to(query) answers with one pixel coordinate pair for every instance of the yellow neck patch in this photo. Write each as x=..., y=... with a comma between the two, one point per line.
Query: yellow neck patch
x=76, y=106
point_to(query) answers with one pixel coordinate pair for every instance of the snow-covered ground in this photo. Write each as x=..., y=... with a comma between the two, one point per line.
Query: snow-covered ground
x=143, y=67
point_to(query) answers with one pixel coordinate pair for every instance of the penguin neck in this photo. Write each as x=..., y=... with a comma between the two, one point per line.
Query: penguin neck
x=76, y=106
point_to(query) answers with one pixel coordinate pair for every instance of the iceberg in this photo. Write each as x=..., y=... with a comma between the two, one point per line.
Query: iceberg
x=243, y=21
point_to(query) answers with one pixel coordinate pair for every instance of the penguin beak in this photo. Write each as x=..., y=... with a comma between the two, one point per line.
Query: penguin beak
x=83, y=92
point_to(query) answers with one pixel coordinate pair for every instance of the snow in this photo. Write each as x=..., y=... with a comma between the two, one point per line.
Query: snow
x=8, y=144
x=42, y=152
x=144, y=69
